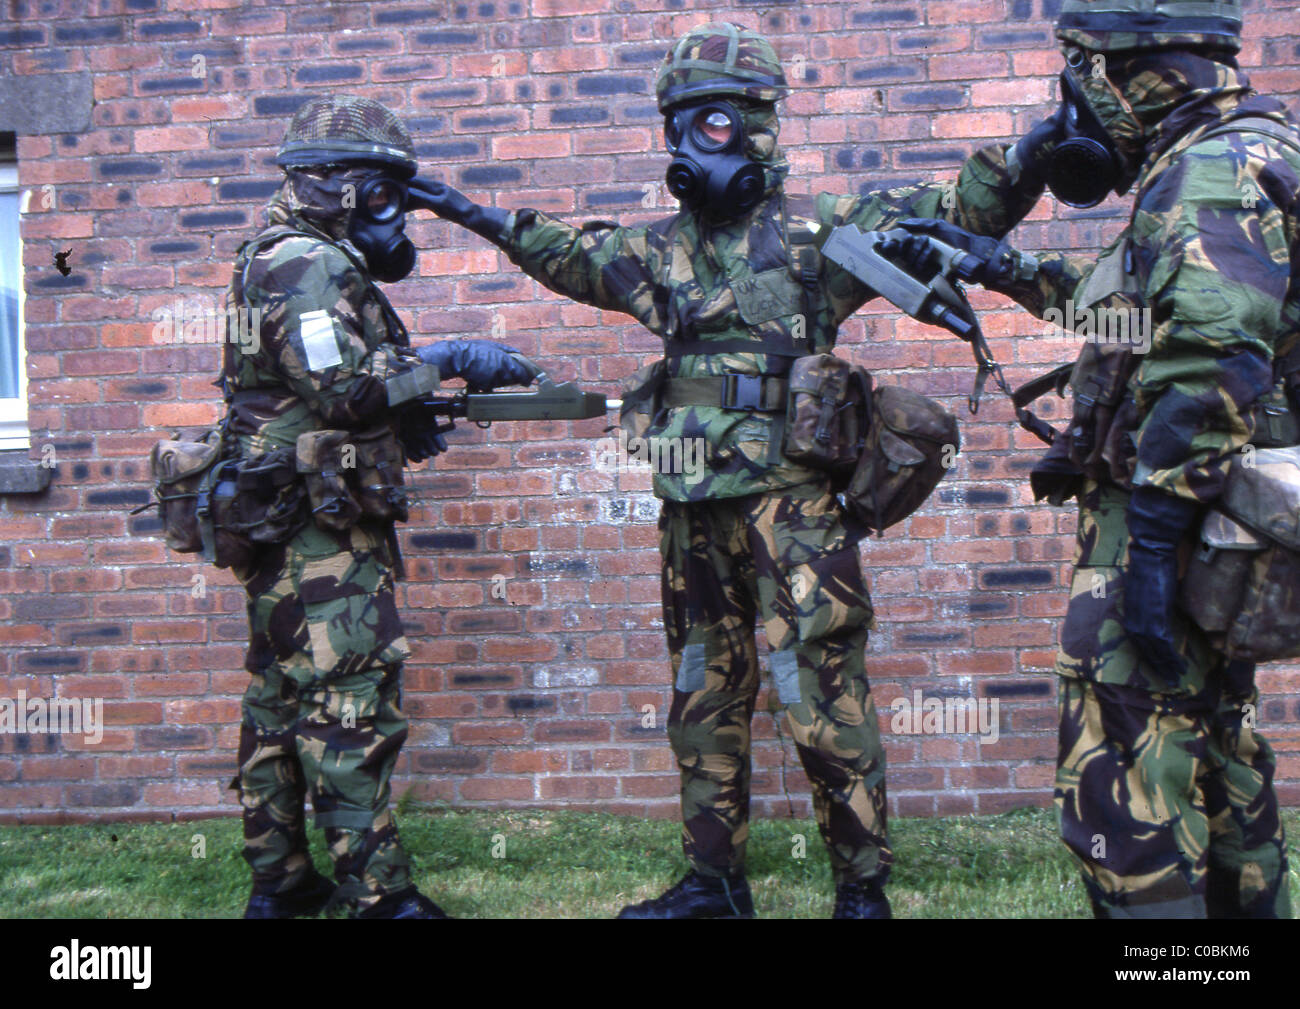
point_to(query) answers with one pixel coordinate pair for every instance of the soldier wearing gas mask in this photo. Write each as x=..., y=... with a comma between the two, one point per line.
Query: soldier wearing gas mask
x=735, y=285
x=321, y=416
x=1164, y=786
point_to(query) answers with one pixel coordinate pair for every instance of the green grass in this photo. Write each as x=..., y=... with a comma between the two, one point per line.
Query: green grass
x=556, y=864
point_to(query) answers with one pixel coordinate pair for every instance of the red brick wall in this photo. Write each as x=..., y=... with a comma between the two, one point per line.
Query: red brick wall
x=538, y=698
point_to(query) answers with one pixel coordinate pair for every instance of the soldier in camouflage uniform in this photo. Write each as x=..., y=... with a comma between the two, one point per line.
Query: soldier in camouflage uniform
x=735, y=287
x=1164, y=787
x=321, y=714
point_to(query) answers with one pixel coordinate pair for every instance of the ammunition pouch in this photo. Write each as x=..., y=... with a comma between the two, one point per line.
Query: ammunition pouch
x=826, y=414
x=1242, y=584
x=910, y=444
x=379, y=480
x=352, y=474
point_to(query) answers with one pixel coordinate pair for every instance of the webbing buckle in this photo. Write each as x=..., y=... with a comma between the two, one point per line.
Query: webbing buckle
x=742, y=392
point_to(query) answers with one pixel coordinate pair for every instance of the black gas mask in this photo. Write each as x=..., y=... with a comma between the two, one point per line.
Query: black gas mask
x=1085, y=166
x=376, y=228
x=709, y=172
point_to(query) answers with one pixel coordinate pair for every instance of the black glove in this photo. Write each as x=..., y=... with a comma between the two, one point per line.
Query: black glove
x=912, y=252
x=417, y=430
x=991, y=263
x=1157, y=523
x=1034, y=150
x=452, y=205
x=482, y=364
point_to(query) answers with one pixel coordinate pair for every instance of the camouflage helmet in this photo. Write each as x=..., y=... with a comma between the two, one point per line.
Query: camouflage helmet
x=720, y=59
x=1122, y=25
x=344, y=130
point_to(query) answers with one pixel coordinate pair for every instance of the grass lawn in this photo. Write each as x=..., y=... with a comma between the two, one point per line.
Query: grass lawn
x=555, y=864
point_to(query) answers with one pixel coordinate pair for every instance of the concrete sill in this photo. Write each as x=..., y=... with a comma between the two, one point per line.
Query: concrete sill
x=21, y=475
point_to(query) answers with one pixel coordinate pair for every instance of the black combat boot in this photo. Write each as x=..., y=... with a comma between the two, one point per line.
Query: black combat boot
x=409, y=903
x=861, y=900
x=308, y=898
x=698, y=896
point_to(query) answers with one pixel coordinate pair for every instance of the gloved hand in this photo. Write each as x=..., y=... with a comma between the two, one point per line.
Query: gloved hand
x=452, y=205
x=481, y=363
x=1033, y=151
x=417, y=430
x=1157, y=523
x=991, y=263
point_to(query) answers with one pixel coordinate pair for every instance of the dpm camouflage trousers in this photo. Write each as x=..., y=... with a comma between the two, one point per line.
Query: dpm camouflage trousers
x=1165, y=794
x=1170, y=813
x=786, y=559
x=321, y=715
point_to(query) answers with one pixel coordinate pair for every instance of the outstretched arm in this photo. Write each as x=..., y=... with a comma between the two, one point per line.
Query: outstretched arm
x=599, y=263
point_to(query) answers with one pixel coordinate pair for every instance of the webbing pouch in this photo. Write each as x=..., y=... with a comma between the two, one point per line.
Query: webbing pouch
x=826, y=415
x=323, y=459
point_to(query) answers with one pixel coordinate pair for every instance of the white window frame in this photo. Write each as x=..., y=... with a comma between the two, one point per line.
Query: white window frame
x=14, y=433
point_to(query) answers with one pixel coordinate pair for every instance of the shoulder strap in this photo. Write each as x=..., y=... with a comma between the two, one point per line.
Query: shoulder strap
x=804, y=260
x=1280, y=132
x=670, y=323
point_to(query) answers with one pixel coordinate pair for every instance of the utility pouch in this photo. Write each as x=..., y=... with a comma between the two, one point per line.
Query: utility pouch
x=323, y=459
x=826, y=415
x=178, y=468
x=377, y=480
x=642, y=398
x=909, y=446
x=1243, y=583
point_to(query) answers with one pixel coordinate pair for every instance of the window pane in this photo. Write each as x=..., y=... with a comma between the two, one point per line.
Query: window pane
x=10, y=281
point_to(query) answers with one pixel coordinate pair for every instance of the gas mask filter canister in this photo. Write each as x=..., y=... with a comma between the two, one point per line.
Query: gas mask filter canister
x=1085, y=166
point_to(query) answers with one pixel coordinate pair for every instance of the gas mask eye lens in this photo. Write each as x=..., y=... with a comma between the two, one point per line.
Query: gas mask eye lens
x=382, y=199
x=715, y=129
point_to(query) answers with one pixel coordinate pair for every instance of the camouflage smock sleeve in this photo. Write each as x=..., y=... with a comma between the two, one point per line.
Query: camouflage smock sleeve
x=322, y=334
x=600, y=263
x=983, y=200
x=1219, y=269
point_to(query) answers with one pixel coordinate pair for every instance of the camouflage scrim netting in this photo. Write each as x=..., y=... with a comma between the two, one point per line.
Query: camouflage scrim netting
x=345, y=129
x=720, y=59
x=1123, y=25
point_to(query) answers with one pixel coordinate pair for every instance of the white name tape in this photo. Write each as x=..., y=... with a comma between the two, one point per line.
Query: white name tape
x=318, y=340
